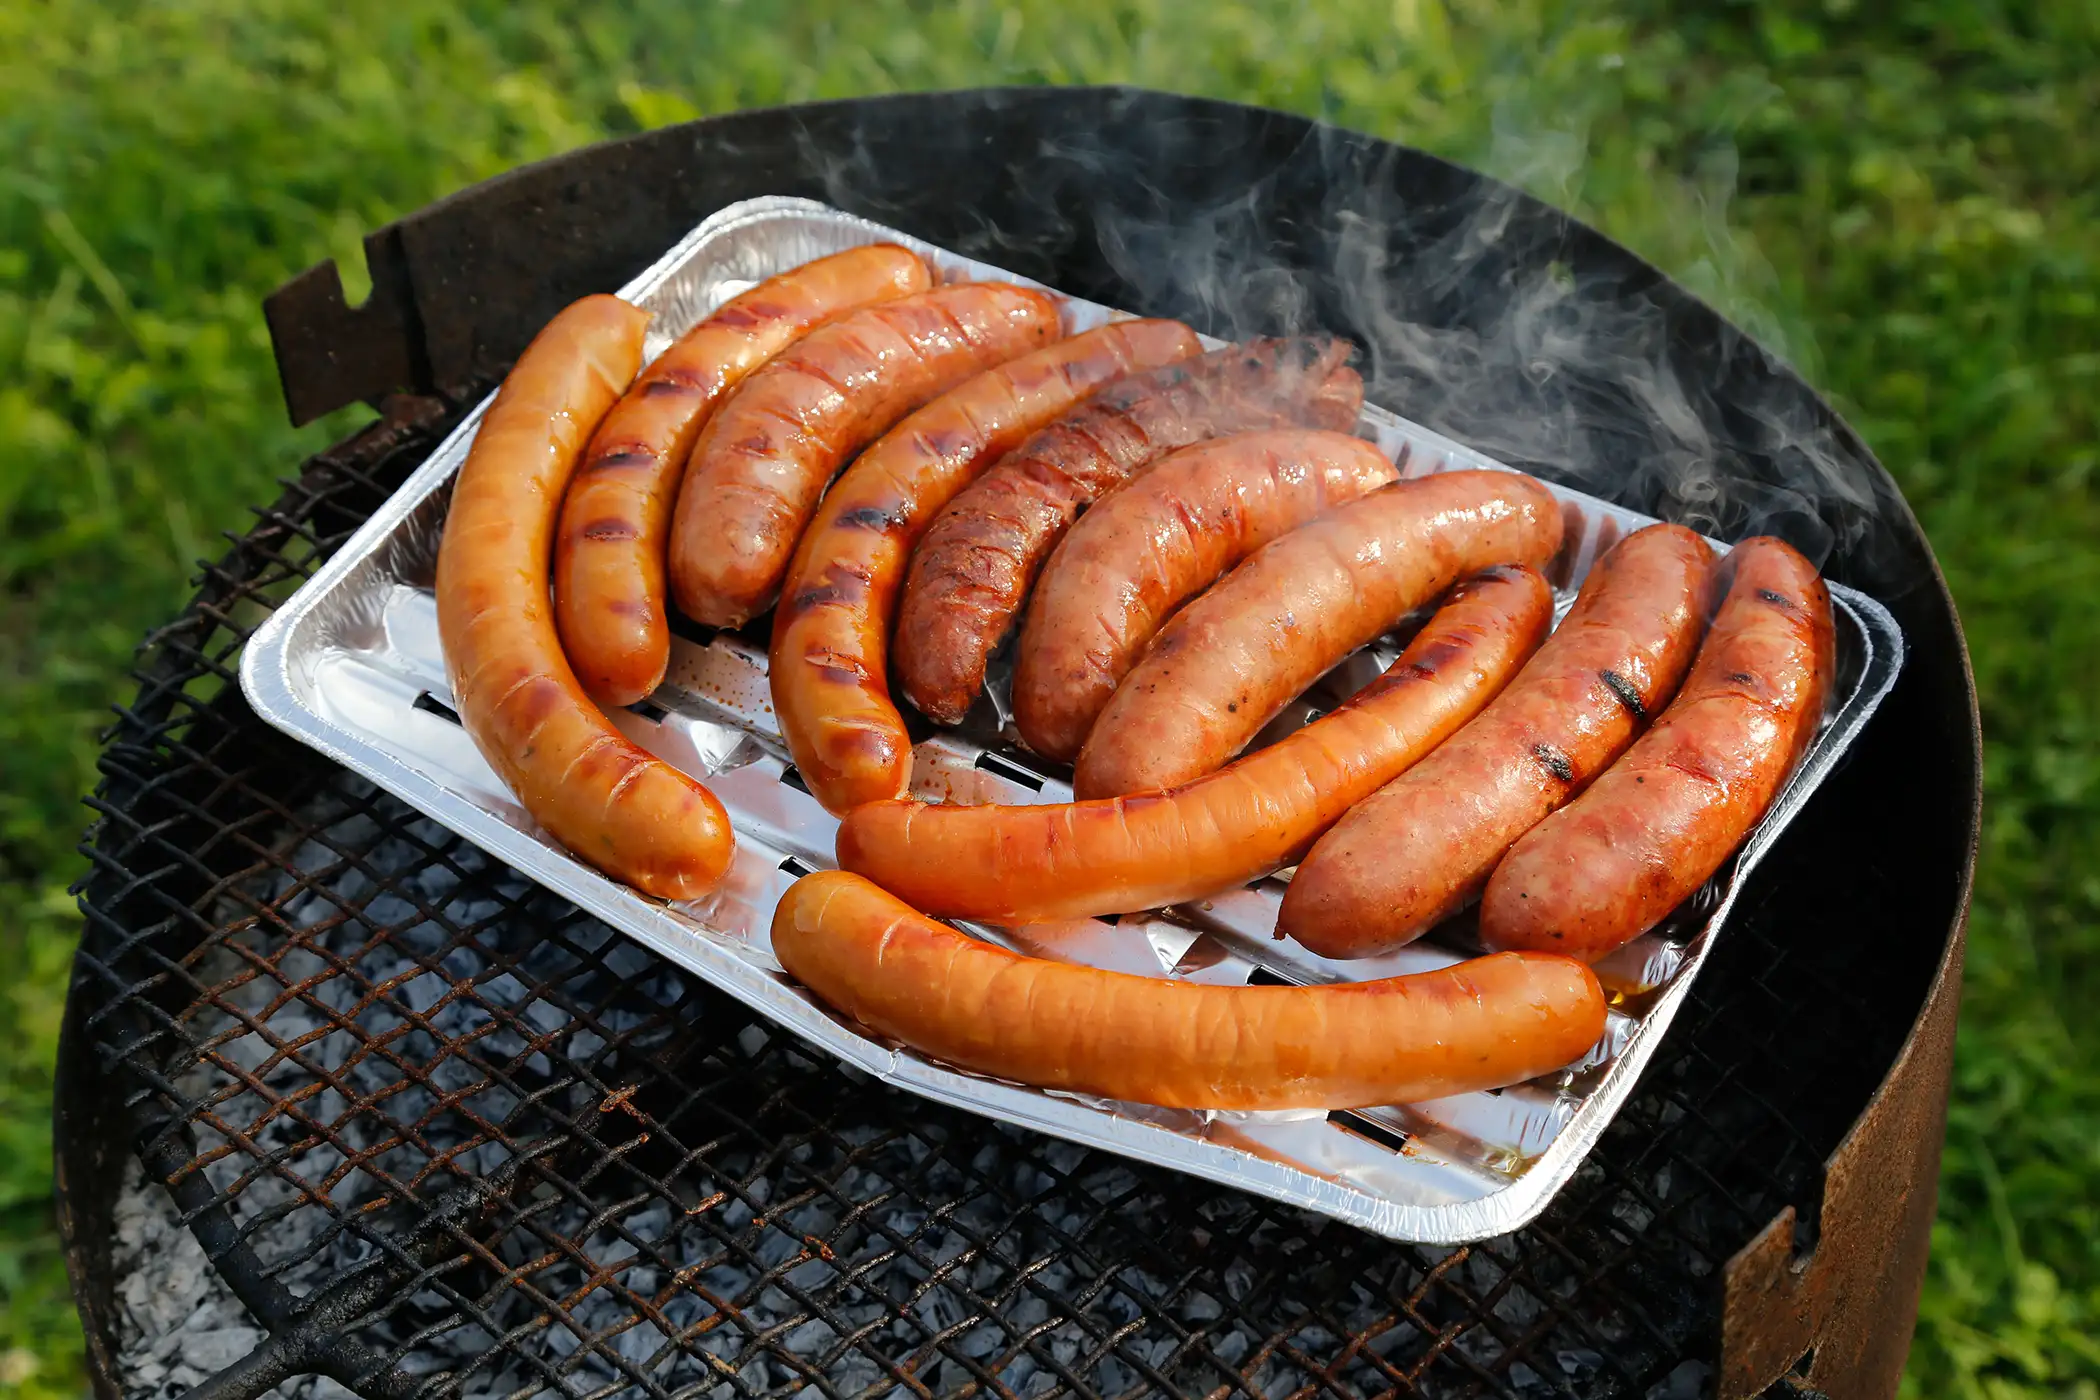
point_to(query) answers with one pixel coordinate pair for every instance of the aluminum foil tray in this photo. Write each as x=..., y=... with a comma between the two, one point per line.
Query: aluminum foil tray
x=351, y=666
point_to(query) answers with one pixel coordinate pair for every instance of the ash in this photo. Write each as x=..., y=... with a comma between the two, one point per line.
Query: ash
x=177, y=1322
x=719, y=1212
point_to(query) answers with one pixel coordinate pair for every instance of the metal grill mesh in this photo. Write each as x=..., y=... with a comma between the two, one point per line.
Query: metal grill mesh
x=443, y=1134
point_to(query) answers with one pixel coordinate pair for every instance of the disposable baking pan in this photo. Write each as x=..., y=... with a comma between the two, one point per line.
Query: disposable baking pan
x=351, y=665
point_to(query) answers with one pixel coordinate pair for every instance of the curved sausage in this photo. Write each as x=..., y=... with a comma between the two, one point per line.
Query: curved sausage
x=609, y=549
x=1419, y=848
x=760, y=465
x=1650, y=831
x=1145, y=550
x=1030, y=864
x=1233, y=658
x=980, y=556
x=633, y=816
x=1477, y=1025
x=830, y=654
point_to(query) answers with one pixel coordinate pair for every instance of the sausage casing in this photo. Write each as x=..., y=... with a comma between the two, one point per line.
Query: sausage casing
x=1034, y=863
x=609, y=550
x=1144, y=550
x=980, y=556
x=631, y=815
x=1607, y=867
x=765, y=458
x=830, y=666
x=1238, y=654
x=1416, y=850
x=1478, y=1025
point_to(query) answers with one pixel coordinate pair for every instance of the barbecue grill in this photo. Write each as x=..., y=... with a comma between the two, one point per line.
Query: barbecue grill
x=420, y=1128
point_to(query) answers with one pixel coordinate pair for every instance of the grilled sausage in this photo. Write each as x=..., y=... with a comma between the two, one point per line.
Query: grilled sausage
x=631, y=815
x=981, y=555
x=760, y=465
x=1030, y=864
x=1477, y=1025
x=609, y=551
x=1607, y=867
x=830, y=666
x=1145, y=550
x=1234, y=657
x=1418, y=849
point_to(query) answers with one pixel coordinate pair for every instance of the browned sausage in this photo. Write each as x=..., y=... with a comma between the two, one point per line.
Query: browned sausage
x=1420, y=847
x=1607, y=867
x=1477, y=1025
x=1145, y=550
x=980, y=556
x=1031, y=864
x=830, y=667
x=760, y=465
x=1236, y=656
x=609, y=551
x=633, y=816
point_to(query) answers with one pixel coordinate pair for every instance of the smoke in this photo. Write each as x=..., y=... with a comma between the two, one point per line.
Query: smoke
x=1479, y=311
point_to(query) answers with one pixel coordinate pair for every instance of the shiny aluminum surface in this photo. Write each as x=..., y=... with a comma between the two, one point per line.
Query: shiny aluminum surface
x=351, y=665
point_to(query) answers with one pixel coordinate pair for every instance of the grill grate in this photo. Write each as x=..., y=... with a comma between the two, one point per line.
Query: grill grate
x=441, y=1134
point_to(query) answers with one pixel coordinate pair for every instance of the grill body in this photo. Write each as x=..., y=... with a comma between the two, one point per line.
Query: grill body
x=406, y=1103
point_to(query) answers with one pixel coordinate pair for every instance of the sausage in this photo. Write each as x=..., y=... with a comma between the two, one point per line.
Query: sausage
x=1477, y=1025
x=609, y=549
x=760, y=465
x=1145, y=550
x=1423, y=845
x=1607, y=867
x=1234, y=657
x=633, y=816
x=1031, y=864
x=981, y=555
x=830, y=655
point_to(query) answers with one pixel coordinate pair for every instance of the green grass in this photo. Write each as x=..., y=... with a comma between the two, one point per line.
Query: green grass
x=1904, y=197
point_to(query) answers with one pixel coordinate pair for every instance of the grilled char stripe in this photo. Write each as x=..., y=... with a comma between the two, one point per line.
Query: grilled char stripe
x=1623, y=689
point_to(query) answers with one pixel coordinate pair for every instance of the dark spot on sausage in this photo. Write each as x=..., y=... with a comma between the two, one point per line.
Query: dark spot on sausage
x=1437, y=655
x=869, y=518
x=841, y=584
x=1623, y=689
x=1556, y=762
x=1741, y=678
x=611, y=529
x=673, y=381
x=864, y=746
x=748, y=314
x=1779, y=600
x=625, y=457
x=948, y=442
x=1639, y=779
x=839, y=675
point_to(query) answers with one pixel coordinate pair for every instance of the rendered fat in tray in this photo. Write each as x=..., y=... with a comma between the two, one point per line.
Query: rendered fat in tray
x=351, y=666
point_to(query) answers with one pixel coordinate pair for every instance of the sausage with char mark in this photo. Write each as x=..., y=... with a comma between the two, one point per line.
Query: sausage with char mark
x=1607, y=867
x=1146, y=549
x=630, y=814
x=1233, y=658
x=1415, y=851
